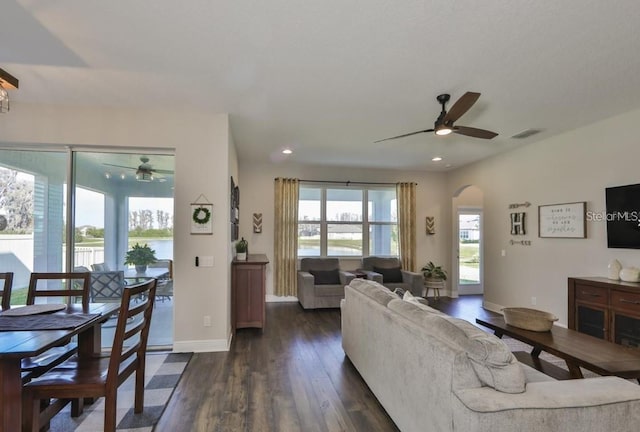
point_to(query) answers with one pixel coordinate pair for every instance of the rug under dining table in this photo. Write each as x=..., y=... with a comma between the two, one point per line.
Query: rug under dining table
x=163, y=371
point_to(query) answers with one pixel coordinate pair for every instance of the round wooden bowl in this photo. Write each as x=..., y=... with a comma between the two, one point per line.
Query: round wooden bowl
x=529, y=319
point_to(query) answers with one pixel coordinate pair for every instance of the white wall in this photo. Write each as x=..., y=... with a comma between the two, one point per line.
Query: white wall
x=202, y=158
x=257, y=196
x=575, y=166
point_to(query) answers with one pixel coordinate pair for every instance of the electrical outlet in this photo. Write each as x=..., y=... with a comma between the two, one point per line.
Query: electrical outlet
x=534, y=301
x=206, y=321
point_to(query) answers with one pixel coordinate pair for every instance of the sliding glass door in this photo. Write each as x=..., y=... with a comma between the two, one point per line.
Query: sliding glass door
x=117, y=200
x=32, y=215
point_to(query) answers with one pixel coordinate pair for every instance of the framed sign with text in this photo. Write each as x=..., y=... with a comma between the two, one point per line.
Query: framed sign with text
x=562, y=220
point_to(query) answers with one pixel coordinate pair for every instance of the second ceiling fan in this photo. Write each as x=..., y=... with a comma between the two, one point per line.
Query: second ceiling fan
x=444, y=124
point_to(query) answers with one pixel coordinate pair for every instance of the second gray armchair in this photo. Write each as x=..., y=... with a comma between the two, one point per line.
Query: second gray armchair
x=389, y=273
x=321, y=283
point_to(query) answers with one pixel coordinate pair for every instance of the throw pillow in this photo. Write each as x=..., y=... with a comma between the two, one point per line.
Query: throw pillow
x=420, y=302
x=326, y=277
x=389, y=275
x=399, y=292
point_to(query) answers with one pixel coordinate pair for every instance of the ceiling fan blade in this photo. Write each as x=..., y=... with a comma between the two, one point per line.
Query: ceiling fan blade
x=474, y=132
x=405, y=135
x=119, y=166
x=162, y=171
x=461, y=106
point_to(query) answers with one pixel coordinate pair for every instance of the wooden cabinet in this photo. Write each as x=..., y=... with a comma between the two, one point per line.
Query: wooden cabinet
x=248, y=289
x=606, y=309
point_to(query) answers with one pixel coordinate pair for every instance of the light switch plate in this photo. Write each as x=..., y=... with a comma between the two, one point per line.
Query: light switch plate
x=206, y=261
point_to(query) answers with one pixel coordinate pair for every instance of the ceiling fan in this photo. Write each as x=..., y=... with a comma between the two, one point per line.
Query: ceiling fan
x=145, y=171
x=444, y=125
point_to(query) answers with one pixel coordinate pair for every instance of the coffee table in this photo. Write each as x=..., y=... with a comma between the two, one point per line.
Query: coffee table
x=575, y=348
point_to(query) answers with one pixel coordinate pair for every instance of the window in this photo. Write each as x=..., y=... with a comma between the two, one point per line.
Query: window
x=334, y=221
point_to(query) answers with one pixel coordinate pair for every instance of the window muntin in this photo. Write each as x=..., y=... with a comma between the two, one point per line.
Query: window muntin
x=347, y=222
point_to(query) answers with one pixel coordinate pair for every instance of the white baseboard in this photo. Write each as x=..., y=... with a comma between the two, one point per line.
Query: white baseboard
x=493, y=307
x=270, y=298
x=211, y=345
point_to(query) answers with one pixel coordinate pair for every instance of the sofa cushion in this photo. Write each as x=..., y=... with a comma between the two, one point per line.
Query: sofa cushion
x=420, y=302
x=389, y=275
x=490, y=357
x=326, y=277
x=373, y=290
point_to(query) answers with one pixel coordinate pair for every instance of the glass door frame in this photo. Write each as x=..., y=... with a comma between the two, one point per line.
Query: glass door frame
x=470, y=288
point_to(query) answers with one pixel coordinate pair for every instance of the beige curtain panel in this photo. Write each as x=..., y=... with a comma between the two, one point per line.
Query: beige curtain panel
x=407, y=224
x=286, y=236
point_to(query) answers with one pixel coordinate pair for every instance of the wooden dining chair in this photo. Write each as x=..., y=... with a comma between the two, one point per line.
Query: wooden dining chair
x=98, y=377
x=5, y=292
x=71, y=286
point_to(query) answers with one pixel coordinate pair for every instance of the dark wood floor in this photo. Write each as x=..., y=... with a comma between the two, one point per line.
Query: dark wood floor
x=292, y=377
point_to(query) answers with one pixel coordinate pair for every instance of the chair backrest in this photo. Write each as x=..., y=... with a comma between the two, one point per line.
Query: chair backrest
x=5, y=289
x=368, y=263
x=69, y=285
x=163, y=263
x=106, y=286
x=307, y=264
x=132, y=331
x=100, y=267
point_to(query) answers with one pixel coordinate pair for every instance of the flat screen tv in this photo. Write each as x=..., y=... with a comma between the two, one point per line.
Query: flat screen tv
x=623, y=216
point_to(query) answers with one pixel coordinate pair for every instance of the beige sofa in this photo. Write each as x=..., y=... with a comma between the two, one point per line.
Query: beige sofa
x=432, y=372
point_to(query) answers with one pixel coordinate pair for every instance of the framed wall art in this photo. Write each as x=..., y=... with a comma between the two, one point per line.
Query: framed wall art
x=201, y=218
x=562, y=220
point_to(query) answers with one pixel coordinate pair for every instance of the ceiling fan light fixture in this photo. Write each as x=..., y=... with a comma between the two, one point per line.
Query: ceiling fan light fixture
x=144, y=176
x=4, y=100
x=443, y=130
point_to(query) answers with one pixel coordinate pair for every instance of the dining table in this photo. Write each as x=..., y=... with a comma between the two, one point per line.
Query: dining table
x=149, y=273
x=28, y=335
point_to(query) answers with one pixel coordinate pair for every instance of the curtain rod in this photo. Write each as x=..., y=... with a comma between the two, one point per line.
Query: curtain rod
x=348, y=182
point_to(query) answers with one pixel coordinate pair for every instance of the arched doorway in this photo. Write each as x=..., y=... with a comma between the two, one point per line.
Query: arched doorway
x=467, y=242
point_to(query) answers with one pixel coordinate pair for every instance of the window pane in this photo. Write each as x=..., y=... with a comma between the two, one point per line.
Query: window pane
x=382, y=206
x=344, y=240
x=308, y=239
x=309, y=204
x=344, y=205
x=383, y=240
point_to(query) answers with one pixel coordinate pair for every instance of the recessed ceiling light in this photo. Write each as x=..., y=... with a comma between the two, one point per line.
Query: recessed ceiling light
x=287, y=151
x=447, y=166
x=437, y=159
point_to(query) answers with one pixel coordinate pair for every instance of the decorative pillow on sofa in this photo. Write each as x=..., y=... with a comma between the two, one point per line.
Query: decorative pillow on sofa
x=326, y=277
x=389, y=275
x=420, y=302
x=490, y=357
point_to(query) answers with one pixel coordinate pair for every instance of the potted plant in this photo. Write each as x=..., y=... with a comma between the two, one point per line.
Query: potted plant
x=434, y=277
x=241, y=250
x=140, y=257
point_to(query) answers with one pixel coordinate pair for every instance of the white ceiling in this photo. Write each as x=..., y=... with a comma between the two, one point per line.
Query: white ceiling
x=328, y=77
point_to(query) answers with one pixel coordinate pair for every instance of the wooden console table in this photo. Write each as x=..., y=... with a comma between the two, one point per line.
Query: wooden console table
x=575, y=348
x=605, y=308
x=248, y=290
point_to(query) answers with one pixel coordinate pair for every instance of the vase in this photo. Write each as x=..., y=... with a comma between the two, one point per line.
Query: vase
x=241, y=256
x=614, y=269
x=141, y=268
x=630, y=274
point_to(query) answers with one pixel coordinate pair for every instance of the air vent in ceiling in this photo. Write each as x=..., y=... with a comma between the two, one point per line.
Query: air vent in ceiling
x=526, y=133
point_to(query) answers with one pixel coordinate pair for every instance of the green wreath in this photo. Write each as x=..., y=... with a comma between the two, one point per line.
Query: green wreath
x=201, y=215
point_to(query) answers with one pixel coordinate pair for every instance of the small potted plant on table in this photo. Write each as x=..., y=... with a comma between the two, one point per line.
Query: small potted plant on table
x=140, y=257
x=434, y=277
x=241, y=250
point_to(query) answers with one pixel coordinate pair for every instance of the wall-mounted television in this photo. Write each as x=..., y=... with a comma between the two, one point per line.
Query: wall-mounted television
x=623, y=216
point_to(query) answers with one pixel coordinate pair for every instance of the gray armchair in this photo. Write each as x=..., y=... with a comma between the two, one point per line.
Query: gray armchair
x=321, y=283
x=388, y=272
